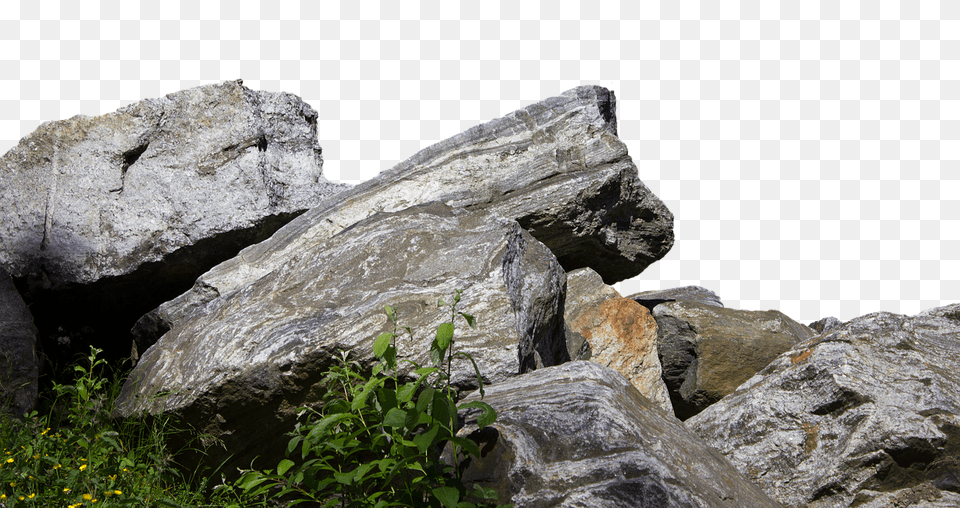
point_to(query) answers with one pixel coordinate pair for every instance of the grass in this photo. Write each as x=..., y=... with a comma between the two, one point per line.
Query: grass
x=73, y=454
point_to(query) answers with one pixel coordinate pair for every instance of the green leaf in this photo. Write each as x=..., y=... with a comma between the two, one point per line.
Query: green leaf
x=470, y=320
x=361, y=398
x=425, y=440
x=325, y=424
x=487, y=416
x=444, y=335
x=391, y=313
x=448, y=496
x=380, y=345
x=284, y=466
x=468, y=445
x=344, y=478
x=395, y=418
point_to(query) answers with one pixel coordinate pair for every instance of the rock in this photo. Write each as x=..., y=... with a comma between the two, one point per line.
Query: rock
x=112, y=215
x=826, y=324
x=239, y=369
x=619, y=333
x=707, y=351
x=581, y=435
x=651, y=299
x=19, y=366
x=557, y=167
x=867, y=414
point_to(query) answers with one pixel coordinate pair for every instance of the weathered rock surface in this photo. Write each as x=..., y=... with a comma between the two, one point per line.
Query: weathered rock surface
x=581, y=435
x=557, y=167
x=651, y=299
x=19, y=367
x=867, y=414
x=618, y=332
x=826, y=324
x=103, y=218
x=241, y=366
x=706, y=352
x=93, y=197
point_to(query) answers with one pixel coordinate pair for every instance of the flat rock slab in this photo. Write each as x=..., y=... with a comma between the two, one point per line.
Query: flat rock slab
x=618, y=332
x=580, y=435
x=651, y=299
x=706, y=352
x=557, y=167
x=867, y=414
x=240, y=368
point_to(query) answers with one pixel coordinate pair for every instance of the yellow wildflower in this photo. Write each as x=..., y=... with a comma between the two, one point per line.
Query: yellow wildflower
x=83, y=467
x=117, y=492
x=31, y=496
x=87, y=497
x=10, y=460
x=66, y=490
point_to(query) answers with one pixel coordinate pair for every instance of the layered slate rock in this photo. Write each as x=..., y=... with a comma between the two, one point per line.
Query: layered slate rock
x=617, y=332
x=581, y=435
x=706, y=352
x=867, y=414
x=651, y=299
x=114, y=214
x=242, y=366
x=557, y=167
x=19, y=366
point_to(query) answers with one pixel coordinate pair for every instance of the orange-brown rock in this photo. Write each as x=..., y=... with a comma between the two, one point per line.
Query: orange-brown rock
x=621, y=333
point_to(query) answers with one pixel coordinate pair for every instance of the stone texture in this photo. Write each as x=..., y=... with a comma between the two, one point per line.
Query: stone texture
x=19, y=366
x=706, y=352
x=557, y=167
x=826, y=324
x=581, y=435
x=106, y=217
x=618, y=332
x=867, y=414
x=239, y=369
x=651, y=299
x=93, y=197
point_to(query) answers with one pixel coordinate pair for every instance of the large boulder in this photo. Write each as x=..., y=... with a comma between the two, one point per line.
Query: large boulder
x=581, y=435
x=706, y=351
x=617, y=332
x=104, y=218
x=239, y=368
x=19, y=366
x=557, y=167
x=867, y=414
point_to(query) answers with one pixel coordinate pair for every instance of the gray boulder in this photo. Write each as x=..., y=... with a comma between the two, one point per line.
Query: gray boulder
x=867, y=414
x=239, y=369
x=19, y=366
x=706, y=352
x=94, y=197
x=557, y=167
x=651, y=299
x=826, y=324
x=104, y=218
x=581, y=435
x=618, y=333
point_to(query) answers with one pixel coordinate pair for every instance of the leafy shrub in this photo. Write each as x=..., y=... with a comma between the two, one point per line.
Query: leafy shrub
x=76, y=456
x=377, y=441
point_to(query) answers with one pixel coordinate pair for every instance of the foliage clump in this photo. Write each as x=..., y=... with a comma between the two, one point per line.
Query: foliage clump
x=377, y=441
x=76, y=456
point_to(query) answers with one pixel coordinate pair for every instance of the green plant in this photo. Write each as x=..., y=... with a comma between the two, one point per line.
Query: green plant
x=377, y=440
x=76, y=455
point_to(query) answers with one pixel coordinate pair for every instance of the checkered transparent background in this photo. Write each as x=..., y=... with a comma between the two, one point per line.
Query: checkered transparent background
x=809, y=150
